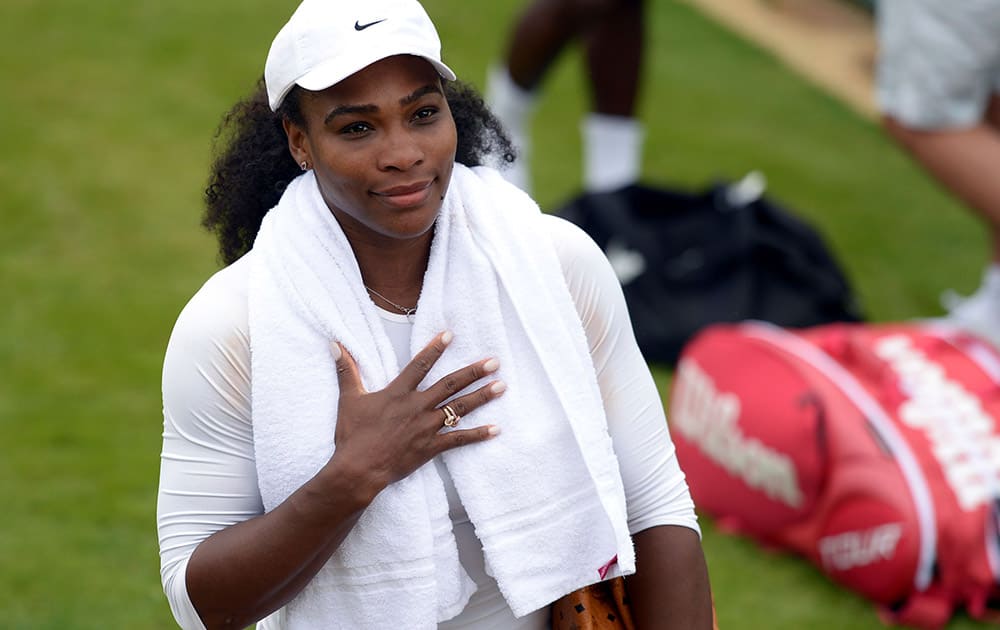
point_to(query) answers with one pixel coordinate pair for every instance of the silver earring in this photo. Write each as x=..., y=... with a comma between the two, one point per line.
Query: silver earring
x=304, y=165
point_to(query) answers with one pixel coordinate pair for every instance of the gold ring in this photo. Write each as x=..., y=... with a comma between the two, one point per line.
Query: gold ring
x=450, y=417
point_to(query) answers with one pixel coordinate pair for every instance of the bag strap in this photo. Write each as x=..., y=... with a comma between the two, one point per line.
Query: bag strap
x=986, y=358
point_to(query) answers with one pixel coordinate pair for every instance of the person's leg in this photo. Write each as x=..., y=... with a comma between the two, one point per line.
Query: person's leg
x=966, y=161
x=540, y=33
x=544, y=29
x=993, y=111
x=937, y=73
x=612, y=135
x=614, y=49
x=993, y=120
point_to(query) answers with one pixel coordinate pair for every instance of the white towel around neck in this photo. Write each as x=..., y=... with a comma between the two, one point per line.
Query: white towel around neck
x=545, y=496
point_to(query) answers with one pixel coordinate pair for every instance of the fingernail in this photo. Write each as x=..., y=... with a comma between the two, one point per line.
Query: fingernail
x=335, y=350
x=446, y=337
x=498, y=388
x=493, y=430
x=491, y=365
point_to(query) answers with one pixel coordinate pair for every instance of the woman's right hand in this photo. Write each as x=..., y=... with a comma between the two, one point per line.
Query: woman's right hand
x=381, y=437
x=384, y=436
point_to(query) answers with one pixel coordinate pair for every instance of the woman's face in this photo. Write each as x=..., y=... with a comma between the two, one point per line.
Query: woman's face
x=382, y=144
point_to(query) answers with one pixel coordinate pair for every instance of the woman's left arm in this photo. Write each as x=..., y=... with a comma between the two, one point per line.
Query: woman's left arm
x=671, y=587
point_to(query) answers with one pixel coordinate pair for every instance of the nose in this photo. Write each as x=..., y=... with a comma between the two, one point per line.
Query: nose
x=401, y=151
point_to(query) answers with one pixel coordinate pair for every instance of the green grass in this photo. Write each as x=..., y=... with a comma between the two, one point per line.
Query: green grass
x=108, y=112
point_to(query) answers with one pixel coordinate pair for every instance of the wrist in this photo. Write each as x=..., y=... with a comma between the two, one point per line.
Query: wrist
x=338, y=491
x=354, y=486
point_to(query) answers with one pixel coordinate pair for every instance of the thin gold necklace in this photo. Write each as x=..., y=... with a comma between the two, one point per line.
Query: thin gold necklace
x=402, y=309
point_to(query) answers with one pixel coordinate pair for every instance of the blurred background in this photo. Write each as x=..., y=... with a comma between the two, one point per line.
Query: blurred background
x=109, y=109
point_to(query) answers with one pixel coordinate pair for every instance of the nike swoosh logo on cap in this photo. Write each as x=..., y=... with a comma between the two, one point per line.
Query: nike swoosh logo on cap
x=360, y=27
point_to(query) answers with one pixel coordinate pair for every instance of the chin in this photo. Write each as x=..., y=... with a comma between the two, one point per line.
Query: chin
x=410, y=229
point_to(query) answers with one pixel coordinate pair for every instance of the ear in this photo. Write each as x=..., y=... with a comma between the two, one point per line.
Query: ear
x=298, y=142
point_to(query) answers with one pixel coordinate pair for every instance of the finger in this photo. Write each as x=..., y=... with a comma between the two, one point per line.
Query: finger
x=462, y=437
x=348, y=376
x=462, y=405
x=458, y=380
x=421, y=364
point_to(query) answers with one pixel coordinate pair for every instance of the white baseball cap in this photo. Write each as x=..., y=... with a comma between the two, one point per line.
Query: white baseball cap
x=326, y=41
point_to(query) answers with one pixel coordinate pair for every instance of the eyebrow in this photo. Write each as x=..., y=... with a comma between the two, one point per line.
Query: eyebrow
x=341, y=110
x=427, y=89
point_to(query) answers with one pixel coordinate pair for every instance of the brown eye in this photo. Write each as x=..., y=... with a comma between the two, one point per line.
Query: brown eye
x=356, y=129
x=425, y=113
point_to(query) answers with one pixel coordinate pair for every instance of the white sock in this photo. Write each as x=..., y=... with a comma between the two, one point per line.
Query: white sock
x=612, y=151
x=980, y=312
x=514, y=106
x=991, y=279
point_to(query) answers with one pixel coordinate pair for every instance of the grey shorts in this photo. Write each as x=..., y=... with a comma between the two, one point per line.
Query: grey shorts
x=939, y=60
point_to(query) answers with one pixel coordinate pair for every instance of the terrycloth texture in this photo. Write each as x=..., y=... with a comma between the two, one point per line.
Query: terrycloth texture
x=545, y=496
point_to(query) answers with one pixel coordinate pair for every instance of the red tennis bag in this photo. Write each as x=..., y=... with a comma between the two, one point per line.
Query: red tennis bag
x=872, y=450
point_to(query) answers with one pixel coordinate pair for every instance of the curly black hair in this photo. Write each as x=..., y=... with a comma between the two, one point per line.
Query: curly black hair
x=253, y=166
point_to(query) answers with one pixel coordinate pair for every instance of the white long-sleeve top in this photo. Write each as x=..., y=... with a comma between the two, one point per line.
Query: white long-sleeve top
x=208, y=479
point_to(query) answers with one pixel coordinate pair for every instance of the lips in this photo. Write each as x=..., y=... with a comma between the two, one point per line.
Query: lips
x=405, y=195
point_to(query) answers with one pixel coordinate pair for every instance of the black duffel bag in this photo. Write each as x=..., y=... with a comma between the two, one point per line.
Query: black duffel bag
x=686, y=260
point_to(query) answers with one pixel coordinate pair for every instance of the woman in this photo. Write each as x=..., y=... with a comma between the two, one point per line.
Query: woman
x=394, y=410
